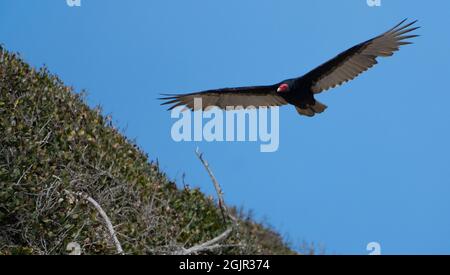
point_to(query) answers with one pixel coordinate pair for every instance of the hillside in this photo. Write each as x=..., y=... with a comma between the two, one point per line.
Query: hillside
x=53, y=147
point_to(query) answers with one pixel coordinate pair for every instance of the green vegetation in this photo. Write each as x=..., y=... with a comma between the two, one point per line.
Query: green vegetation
x=52, y=145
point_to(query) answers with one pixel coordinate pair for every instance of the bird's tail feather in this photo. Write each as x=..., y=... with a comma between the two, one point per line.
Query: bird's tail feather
x=311, y=110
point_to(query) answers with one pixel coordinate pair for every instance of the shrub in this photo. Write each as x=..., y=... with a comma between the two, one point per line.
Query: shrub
x=52, y=145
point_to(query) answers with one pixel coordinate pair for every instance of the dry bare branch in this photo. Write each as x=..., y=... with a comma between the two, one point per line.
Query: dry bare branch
x=219, y=192
x=23, y=175
x=213, y=243
x=206, y=246
x=105, y=217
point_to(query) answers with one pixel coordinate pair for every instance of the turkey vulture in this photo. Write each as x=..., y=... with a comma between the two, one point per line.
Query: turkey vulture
x=300, y=91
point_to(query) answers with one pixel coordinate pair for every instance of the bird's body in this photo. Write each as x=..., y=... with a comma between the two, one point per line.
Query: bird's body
x=300, y=91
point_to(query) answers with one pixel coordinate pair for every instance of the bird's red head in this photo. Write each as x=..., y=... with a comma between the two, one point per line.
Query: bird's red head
x=283, y=88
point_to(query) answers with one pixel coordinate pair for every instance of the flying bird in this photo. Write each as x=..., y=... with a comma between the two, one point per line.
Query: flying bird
x=300, y=91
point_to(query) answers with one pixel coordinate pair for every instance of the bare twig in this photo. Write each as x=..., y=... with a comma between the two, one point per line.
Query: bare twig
x=23, y=175
x=209, y=245
x=105, y=217
x=219, y=192
x=213, y=243
x=46, y=138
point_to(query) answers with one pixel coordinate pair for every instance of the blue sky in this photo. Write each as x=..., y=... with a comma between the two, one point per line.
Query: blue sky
x=373, y=167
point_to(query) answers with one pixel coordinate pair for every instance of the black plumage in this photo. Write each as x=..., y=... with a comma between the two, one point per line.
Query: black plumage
x=300, y=91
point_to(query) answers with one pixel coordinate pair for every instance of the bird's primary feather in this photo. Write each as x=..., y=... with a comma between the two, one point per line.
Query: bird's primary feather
x=256, y=96
x=358, y=59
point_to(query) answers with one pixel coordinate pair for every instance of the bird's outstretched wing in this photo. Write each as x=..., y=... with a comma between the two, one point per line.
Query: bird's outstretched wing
x=257, y=96
x=358, y=59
